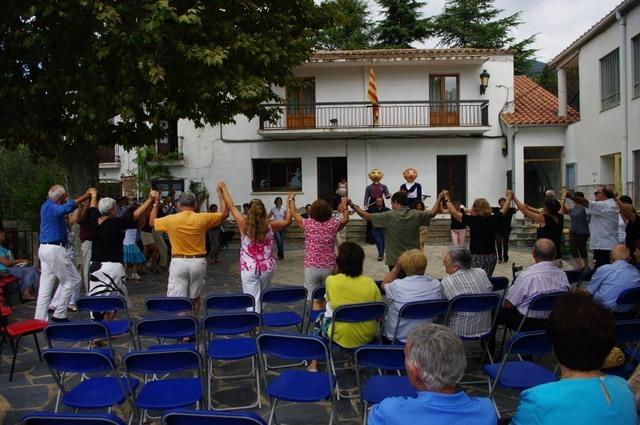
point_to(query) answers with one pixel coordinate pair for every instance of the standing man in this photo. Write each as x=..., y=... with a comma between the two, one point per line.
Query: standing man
x=187, y=231
x=54, y=261
x=603, y=226
x=401, y=225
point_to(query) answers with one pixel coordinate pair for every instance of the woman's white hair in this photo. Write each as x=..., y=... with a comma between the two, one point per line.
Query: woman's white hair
x=438, y=353
x=56, y=192
x=105, y=205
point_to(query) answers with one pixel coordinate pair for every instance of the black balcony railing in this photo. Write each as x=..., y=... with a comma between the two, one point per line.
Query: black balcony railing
x=325, y=115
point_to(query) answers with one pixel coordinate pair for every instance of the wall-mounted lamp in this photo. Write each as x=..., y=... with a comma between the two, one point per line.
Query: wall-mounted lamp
x=484, y=81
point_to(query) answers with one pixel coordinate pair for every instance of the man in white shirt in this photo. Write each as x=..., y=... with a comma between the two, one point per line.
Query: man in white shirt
x=603, y=226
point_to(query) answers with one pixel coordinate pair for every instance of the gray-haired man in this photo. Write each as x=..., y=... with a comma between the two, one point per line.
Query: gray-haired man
x=187, y=231
x=435, y=362
x=54, y=261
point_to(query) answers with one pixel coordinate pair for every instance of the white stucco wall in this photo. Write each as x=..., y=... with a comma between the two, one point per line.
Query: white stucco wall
x=598, y=133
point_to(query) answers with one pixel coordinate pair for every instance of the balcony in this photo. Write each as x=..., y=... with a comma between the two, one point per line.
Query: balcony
x=343, y=119
x=108, y=157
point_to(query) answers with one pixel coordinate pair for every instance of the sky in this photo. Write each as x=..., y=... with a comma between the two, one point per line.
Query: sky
x=557, y=22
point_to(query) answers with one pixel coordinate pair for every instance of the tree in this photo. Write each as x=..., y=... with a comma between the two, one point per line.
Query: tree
x=402, y=24
x=82, y=73
x=477, y=24
x=347, y=26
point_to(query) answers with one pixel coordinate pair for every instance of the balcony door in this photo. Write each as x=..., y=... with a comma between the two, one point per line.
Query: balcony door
x=301, y=103
x=443, y=96
x=452, y=175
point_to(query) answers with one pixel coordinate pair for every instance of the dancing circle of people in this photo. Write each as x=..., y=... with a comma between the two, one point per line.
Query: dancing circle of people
x=109, y=247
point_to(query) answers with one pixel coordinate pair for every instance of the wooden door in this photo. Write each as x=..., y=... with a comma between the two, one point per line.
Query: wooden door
x=330, y=171
x=443, y=98
x=452, y=175
x=301, y=104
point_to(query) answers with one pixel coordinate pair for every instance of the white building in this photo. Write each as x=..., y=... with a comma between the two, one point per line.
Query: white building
x=433, y=117
x=604, y=146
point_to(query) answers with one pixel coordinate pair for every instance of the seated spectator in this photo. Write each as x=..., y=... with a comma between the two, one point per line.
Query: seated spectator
x=416, y=286
x=435, y=362
x=462, y=279
x=582, y=334
x=541, y=278
x=610, y=280
x=348, y=286
x=21, y=268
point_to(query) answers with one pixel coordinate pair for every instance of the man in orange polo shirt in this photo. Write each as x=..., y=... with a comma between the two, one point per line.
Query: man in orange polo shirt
x=187, y=231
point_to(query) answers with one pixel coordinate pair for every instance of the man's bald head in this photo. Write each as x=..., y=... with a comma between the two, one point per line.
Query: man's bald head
x=544, y=250
x=620, y=252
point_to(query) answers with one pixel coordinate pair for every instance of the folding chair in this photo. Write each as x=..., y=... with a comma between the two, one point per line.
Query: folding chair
x=169, y=306
x=105, y=303
x=629, y=339
x=5, y=284
x=46, y=418
x=520, y=375
x=477, y=303
x=317, y=294
x=354, y=313
x=225, y=349
x=420, y=310
x=204, y=417
x=628, y=300
x=15, y=331
x=229, y=302
x=499, y=283
x=298, y=386
x=379, y=387
x=283, y=295
x=91, y=393
x=515, y=271
x=169, y=392
x=573, y=276
x=541, y=303
x=177, y=328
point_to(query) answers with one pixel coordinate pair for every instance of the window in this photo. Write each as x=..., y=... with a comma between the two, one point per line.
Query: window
x=169, y=144
x=166, y=186
x=277, y=175
x=635, y=55
x=108, y=154
x=301, y=103
x=610, y=80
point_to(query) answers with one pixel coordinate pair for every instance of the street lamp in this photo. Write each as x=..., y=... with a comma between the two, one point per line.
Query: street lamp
x=484, y=81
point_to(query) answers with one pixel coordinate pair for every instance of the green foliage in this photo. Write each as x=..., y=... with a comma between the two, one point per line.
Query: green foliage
x=24, y=182
x=90, y=72
x=198, y=189
x=150, y=165
x=548, y=79
x=347, y=25
x=402, y=24
x=477, y=24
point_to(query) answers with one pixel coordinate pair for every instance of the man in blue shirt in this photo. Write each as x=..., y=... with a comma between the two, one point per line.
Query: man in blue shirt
x=55, y=264
x=435, y=362
x=611, y=279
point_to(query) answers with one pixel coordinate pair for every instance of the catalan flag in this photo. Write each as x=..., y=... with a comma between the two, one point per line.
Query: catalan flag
x=372, y=93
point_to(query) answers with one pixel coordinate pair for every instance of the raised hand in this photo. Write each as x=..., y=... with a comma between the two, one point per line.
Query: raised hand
x=154, y=194
x=92, y=191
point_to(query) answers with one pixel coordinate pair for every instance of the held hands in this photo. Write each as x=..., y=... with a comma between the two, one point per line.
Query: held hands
x=153, y=194
x=222, y=186
x=92, y=191
x=509, y=195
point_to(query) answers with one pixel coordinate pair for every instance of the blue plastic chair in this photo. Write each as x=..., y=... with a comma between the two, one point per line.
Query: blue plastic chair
x=541, y=303
x=76, y=332
x=171, y=328
x=169, y=306
x=585, y=277
x=97, y=392
x=479, y=304
x=317, y=295
x=627, y=300
x=499, y=283
x=573, y=276
x=109, y=303
x=46, y=418
x=216, y=303
x=354, y=313
x=169, y=392
x=520, y=375
x=283, y=295
x=219, y=328
x=204, y=417
x=419, y=310
x=628, y=332
x=379, y=387
x=299, y=386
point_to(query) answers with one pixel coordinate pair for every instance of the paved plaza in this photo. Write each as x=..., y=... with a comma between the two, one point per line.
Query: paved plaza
x=34, y=390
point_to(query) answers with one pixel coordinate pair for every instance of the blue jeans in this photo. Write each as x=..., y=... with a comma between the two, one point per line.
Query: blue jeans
x=378, y=239
x=279, y=236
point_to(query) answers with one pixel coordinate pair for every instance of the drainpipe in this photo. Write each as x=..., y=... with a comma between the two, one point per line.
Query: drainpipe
x=624, y=152
x=514, y=132
x=562, y=92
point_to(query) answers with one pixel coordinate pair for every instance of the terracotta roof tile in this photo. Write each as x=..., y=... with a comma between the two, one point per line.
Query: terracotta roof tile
x=403, y=54
x=533, y=105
